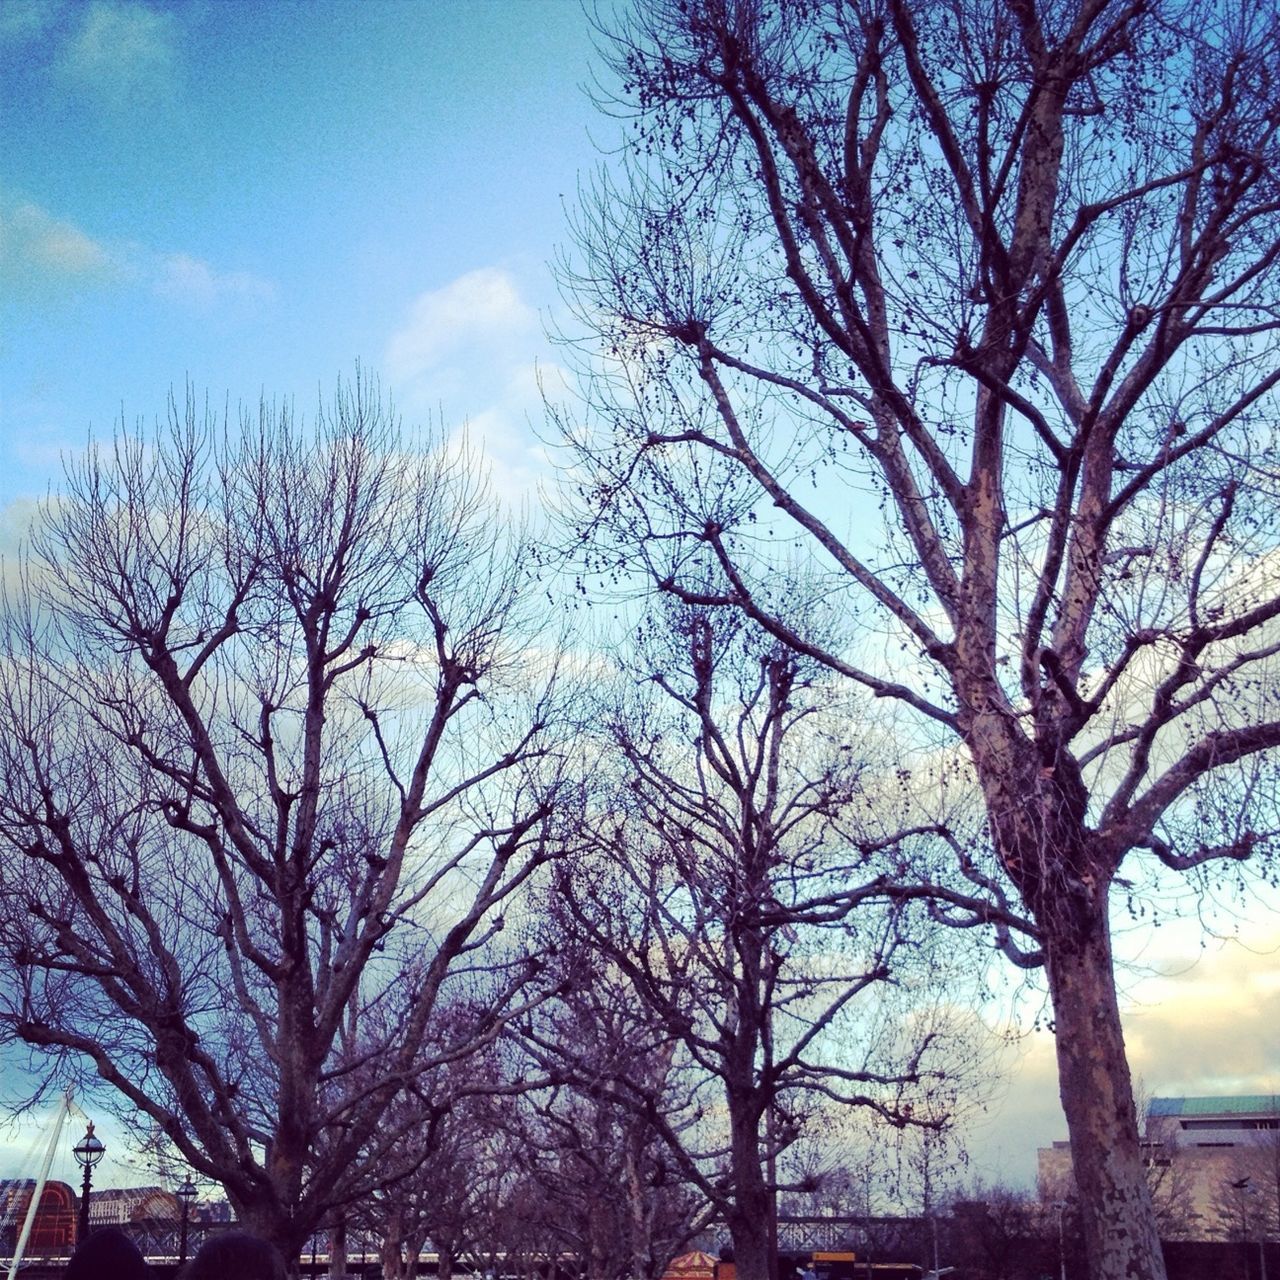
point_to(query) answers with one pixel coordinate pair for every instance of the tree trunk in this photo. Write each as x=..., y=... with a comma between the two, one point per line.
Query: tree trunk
x=390, y=1247
x=1063, y=873
x=269, y=1220
x=392, y=1258
x=598, y=1260
x=639, y=1219
x=338, y=1251
x=1120, y=1236
x=415, y=1243
x=749, y=1216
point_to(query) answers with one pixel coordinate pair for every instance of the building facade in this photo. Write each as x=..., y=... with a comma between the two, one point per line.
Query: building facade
x=54, y=1228
x=1213, y=1166
x=120, y=1206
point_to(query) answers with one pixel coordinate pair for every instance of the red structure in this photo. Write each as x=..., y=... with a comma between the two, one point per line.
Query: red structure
x=54, y=1230
x=692, y=1266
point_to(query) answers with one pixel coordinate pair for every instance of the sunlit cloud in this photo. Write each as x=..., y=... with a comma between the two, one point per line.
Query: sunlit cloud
x=122, y=52
x=478, y=309
x=1178, y=1026
x=1178, y=1022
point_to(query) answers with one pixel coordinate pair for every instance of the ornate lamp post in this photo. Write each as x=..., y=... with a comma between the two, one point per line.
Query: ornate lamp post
x=186, y=1193
x=88, y=1151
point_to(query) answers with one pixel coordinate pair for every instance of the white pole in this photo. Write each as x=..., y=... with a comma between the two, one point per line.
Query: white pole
x=34, y=1206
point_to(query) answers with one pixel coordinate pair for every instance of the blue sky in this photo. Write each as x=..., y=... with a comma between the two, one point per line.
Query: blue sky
x=252, y=196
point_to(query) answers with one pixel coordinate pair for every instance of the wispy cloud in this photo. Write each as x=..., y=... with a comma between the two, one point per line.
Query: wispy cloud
x=181, y=278
x=26, y=21
x=122, y=52
x=478, y=309
x=38, y=249
x=42, y=255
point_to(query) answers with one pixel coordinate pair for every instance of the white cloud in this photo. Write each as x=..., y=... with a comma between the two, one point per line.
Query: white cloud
x=36, y=247
x=42, y=254
x=478, y=309
x=1179, y=1034
x=501, y=438
x=123, y=52
x=466, y=352
x=181, y=278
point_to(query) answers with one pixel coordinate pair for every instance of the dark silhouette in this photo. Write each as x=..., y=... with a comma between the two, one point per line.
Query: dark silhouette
x=107, y=1254
x=302, y=825
x=236, y=1254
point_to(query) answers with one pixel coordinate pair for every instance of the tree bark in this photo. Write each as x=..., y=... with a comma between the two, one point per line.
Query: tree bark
x=749, y=1216
x=391, y=1248
x=338, y=1250
x=1097, y=1096
x=271, y=1222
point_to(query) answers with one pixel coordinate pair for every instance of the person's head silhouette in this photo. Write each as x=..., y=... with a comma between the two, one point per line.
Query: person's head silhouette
x=235, y=1255
x=107, y=1254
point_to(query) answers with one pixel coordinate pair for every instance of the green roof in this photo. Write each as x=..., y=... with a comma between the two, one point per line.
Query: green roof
x=1247, y=1104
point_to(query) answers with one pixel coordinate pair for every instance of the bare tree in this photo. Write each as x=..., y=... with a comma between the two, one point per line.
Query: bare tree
x=725, y=811
x=977, y=302
x=600, y=1141
x=458, y=1197
x=444, y=1122
x=268, y=777
x=1005, y=1235
x=1249, y=1193
x=612, y=1195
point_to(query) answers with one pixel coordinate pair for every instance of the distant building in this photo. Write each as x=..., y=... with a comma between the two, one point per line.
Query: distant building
x=1213, y=1166
x=120, y=1206
x=213, y=1213
x=54, y=1229
x=1212, y=1122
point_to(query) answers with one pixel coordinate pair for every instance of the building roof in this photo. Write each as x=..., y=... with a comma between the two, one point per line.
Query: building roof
x=17, y=1191
x=1248, y=1104
x=691, y=1265
x=132, y=1204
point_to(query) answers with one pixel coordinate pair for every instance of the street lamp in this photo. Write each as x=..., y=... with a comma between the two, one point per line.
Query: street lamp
x=186, y=1193
x=1061, y=1207
x=88, y=1151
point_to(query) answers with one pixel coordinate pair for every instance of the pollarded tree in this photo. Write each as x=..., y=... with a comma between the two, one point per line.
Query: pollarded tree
x=724, y=813
x=269, y=774
x=977, y=301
